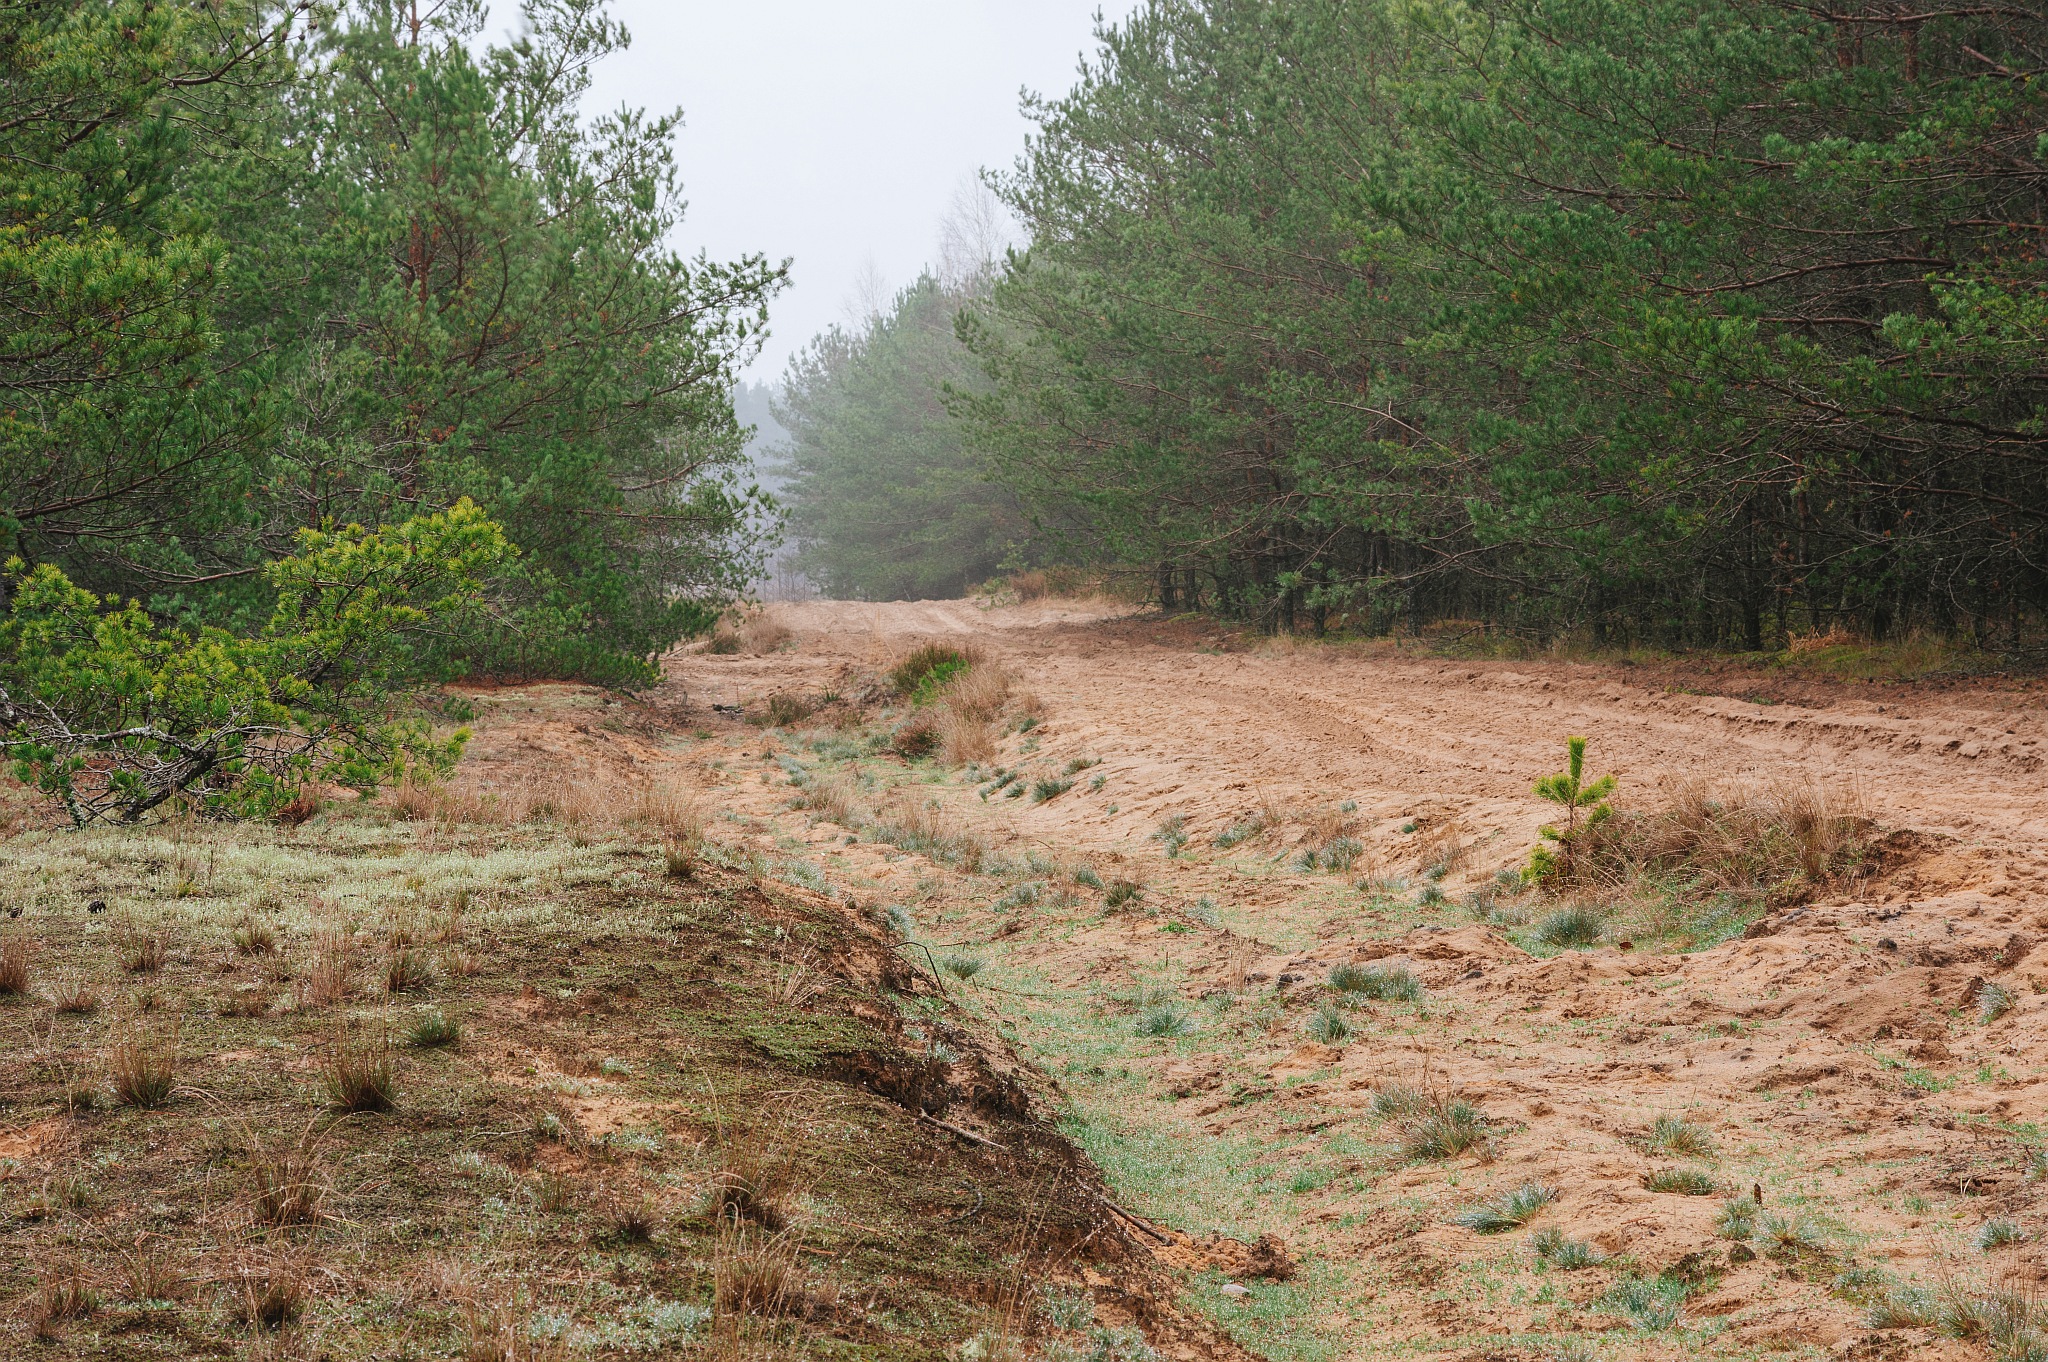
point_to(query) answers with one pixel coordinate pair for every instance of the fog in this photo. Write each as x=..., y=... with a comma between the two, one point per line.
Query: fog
x=834, y=133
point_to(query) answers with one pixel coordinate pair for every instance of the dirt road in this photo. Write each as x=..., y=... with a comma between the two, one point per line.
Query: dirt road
x=1835, y=1059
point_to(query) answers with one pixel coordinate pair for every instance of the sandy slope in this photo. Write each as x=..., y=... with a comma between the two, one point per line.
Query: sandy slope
x=1835, y=1053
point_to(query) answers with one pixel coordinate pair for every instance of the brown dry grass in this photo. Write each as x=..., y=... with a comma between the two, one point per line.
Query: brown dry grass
x=754, y=1276
x=150, y=1272
x=76, y=996
x=359, y=1071
x=143, y=1066
x=64, y=1293
x=271, y=1294
x=14, y=965
x=287, y=1180
x=964, y=739
x=978, y=693
x=1778, y=843
x=142, y=950
x=332, y=976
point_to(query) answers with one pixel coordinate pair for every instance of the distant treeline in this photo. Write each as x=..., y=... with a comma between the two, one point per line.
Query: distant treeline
x=271, y=265
x=1686, y=322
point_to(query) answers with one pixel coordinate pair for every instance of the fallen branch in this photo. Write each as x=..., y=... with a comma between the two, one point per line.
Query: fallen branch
x=952, y=1129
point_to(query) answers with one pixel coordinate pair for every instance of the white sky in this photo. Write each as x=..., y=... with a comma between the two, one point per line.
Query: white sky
x=835, y=131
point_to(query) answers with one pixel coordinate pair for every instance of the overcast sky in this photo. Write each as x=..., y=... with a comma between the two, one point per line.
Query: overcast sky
x=836, y=131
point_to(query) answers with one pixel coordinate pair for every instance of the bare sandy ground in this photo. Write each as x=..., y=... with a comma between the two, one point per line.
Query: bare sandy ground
x=1835, y=1052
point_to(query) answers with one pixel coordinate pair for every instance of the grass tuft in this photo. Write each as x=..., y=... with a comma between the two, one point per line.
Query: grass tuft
x=359, y=1073
x=144, y=1068
x=1578, y=925
x=14, y=967
x=1648, y=1306
x=1684, y=1181
x=1569, y=1255
x=1680, y=1137
x=1443, y=1129
x=1510, y=1210
x=433, y=1031
x=1329, y=1025
x=1999, y=1232
x=1371, y=981
x=1164, y=1019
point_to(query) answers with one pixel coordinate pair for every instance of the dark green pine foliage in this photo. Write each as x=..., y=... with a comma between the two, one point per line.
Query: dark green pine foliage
x=886, y=500
x=1688, y=322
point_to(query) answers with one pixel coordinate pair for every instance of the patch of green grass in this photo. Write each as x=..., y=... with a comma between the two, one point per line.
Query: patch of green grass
x=433, y=1030
x=1509, y=1211
x=1172, y=833
x=1049, y=788
x=1165, y=1019
x=1567, y=1255
x=1999, y=1232
x=962, y=966
x=1576, y=926
x=1329, y=1025
x=1389, y=984
x=1442, y=1130
x=1679, y=1136
x=1684, y=1181
x=1649, y=1305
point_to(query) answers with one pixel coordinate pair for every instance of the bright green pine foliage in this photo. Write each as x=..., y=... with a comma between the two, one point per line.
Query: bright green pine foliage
x=1687, y=322
x=373, y=268
x=113, y=715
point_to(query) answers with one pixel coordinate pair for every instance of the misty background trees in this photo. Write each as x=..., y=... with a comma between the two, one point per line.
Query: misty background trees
x=1693, y=322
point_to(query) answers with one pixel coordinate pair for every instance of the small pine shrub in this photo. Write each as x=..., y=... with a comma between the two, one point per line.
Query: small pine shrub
x=1684, y=1181
x=1328, y=1025
x=1509, y=1211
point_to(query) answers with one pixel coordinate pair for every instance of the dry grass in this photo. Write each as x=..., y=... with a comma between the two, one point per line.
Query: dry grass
x=917, y=824
x=359, y=1072
x=834, y=797
x=287, y=1181
x=754, y=1276
x=14, y=965
x=669, y=813
x=150, y=1273
x=502, y=1331
x=332, y=975
x=141, y=950
x=964, y=739
x=253, y=936
x=630, y=1216
x=143, y=1067
x=407, y=970
x=271, y=1295
x=305, y=804
x=65, y=1293
x=979, y=693
x=78, y=997
x=1776, y=845
x=920, y=735
x=762, y=633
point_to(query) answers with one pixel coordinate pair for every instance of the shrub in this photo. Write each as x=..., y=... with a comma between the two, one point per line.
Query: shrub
x=1684, y=1181
x=1393, y=984
x=1510, y=1210
x=1087, y=878
x=917, y=736
x=1578, y=925
x=920, y=672
x=1679, y=1136
x=115, y=714
x=1569, y=789
x=1328, y=1025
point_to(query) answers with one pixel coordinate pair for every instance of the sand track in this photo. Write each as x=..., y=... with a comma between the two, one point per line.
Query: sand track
x=1836, y=1051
